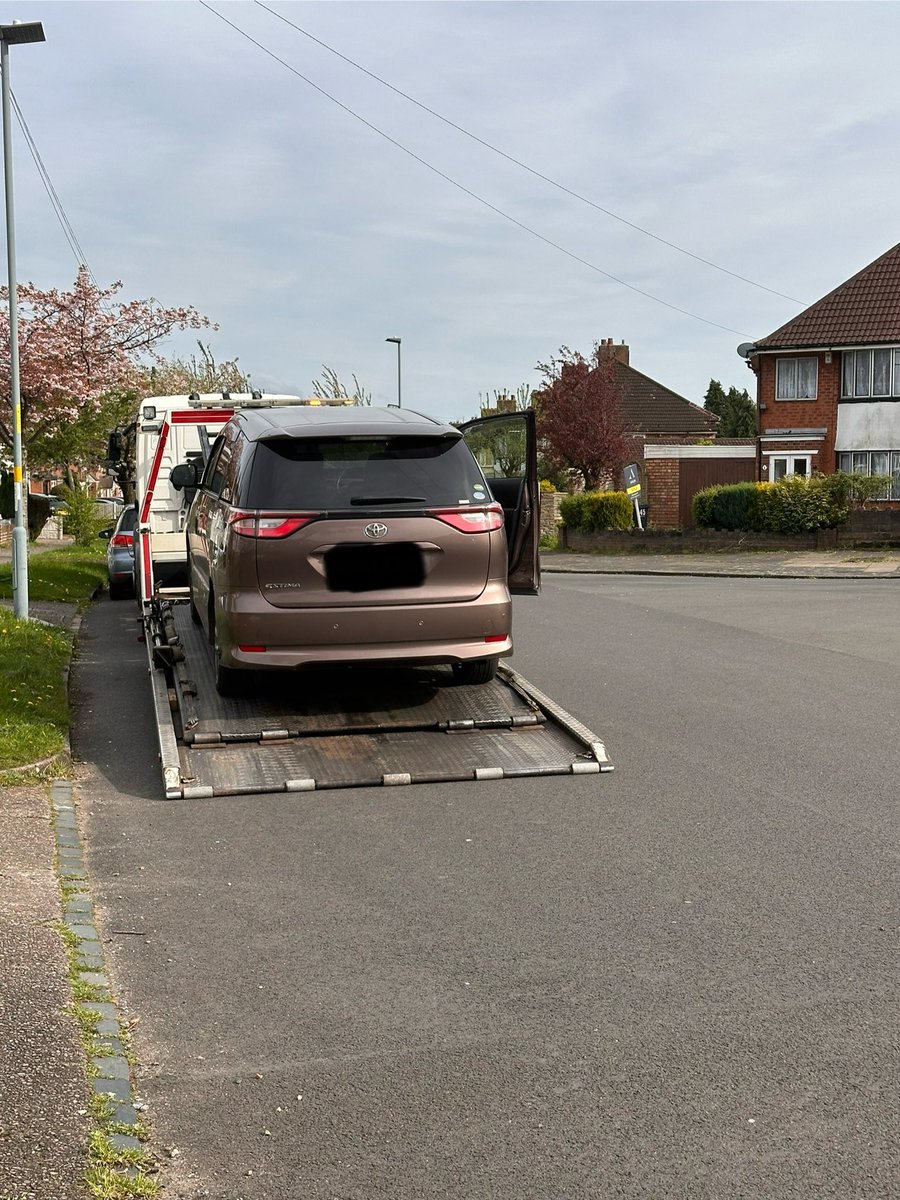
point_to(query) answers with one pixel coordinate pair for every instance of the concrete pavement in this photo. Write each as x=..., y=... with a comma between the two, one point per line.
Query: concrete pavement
x=782, y=564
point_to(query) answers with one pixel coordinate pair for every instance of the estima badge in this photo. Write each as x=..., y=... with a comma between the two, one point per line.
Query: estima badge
x=376, y=530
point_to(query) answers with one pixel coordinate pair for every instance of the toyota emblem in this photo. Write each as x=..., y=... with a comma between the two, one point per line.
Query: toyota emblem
x=376, y=530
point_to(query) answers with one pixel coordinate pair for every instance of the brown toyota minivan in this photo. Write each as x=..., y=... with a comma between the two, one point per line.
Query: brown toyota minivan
x=356, y=535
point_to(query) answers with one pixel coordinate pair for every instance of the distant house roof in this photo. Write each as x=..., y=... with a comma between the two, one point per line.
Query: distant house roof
x=650, y=407
x=862, y=311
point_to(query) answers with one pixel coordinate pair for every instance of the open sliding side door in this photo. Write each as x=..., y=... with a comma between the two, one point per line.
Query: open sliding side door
x=506, y=449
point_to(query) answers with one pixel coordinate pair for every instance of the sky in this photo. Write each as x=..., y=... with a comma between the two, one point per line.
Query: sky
x=312, y=212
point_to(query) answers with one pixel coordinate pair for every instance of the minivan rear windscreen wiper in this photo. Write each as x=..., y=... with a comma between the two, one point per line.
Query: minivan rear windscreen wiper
x=387, y=500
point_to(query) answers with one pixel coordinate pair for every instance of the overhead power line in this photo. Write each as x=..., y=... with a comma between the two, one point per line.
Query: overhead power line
x=56, y=203
x=524, y=166
x=467, y=191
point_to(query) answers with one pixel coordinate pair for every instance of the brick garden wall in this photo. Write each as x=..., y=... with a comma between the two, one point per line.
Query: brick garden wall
x=550, y=502
x=662, y=490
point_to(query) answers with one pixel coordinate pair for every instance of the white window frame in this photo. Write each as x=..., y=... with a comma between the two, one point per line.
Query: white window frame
x=851, y=462
x=787, y=367
x=858, y=370
x=791, y=459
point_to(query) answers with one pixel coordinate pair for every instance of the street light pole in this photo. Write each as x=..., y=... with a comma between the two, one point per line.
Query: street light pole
x=397, y=342
x=16, y=34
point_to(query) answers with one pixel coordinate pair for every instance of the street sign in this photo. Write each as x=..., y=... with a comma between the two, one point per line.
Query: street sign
x=633, y=491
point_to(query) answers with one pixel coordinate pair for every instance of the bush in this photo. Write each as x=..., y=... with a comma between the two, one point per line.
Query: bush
x=793, y=505
x=728, y=506
x=702, y=507
x=797, y=504
x=857, y=490
x=590, y=512
x=732, y=506
x=547, y=486
x=81, y=520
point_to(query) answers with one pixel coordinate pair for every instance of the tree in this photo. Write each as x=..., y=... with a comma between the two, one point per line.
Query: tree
x=579, y=409
x=181, y=376
x=735, y=410
x=73, y=446
x=78, y=347
x=172, y=377
x=329, y=387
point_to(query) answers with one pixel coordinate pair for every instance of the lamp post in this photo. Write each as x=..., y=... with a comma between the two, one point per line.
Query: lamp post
x=396, y=341
x=16, y=34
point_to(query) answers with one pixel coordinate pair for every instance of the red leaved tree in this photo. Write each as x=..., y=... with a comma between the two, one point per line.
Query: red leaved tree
x=77, y=347
x=579, y=409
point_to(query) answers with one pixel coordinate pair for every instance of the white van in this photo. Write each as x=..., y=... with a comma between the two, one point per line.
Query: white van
x=170, y=430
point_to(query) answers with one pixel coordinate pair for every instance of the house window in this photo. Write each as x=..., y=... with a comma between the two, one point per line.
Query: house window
x=874, y=373
x=788, y=464
x=874, y=462
x=796, y=378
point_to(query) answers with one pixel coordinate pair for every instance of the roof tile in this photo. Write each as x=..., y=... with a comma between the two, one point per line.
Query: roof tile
x=862, y=311
x=650, y=407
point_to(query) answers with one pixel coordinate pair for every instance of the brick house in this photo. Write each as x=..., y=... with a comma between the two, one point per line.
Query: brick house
x=675, y=443
x=828, y=382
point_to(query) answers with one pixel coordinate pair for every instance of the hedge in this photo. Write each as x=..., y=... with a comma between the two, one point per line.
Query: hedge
x=796, y=504
x=589, y=512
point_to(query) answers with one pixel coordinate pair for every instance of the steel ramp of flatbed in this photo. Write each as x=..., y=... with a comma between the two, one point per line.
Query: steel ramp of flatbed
x=307, y=731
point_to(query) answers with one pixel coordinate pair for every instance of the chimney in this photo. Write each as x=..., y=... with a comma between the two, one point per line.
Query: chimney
x=619, y=353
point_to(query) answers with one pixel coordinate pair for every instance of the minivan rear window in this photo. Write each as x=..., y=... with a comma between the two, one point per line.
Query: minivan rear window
x=328, y=473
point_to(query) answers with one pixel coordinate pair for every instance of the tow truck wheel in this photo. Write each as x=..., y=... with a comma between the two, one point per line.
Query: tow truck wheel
x=479, y=670
x=229, y=682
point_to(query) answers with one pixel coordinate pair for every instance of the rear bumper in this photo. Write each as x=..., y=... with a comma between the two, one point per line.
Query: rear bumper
x=408, y=634
x=380, y=655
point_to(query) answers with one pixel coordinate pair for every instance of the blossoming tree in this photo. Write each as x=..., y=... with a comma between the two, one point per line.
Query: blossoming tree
x=76, y=349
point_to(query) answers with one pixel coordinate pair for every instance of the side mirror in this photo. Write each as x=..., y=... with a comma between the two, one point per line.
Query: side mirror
x=183, y=476
x=106, y=534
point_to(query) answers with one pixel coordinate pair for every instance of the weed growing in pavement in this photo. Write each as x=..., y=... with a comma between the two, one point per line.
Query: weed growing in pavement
x=114, y=1172
x=109, y=1183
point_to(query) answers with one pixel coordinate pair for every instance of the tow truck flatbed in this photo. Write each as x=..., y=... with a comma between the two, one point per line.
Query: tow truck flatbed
x=347, y=728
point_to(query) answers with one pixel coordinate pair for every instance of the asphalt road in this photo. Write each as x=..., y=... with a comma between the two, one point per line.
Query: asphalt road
x=678, y=980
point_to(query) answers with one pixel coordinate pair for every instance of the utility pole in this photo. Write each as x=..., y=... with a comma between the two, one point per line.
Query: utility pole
x=16, y=34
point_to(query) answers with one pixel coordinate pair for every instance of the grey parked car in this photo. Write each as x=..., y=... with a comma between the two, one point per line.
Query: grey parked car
x=321, y=536
x=120, y=554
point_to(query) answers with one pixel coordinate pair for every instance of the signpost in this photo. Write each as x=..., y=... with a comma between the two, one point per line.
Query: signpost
x=633, y=489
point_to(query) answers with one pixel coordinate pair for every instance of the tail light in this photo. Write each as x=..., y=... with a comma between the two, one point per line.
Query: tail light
x=262, y=525
x=121, y=539
x=472, y=520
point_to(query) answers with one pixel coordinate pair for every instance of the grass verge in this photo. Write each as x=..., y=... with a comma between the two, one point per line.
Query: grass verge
x=72, y=573
x=34, y=711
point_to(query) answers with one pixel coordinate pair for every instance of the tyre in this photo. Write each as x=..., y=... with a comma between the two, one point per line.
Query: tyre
x=195, y=616
x=229, y=682
x=479, y=670
x=118, y=590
